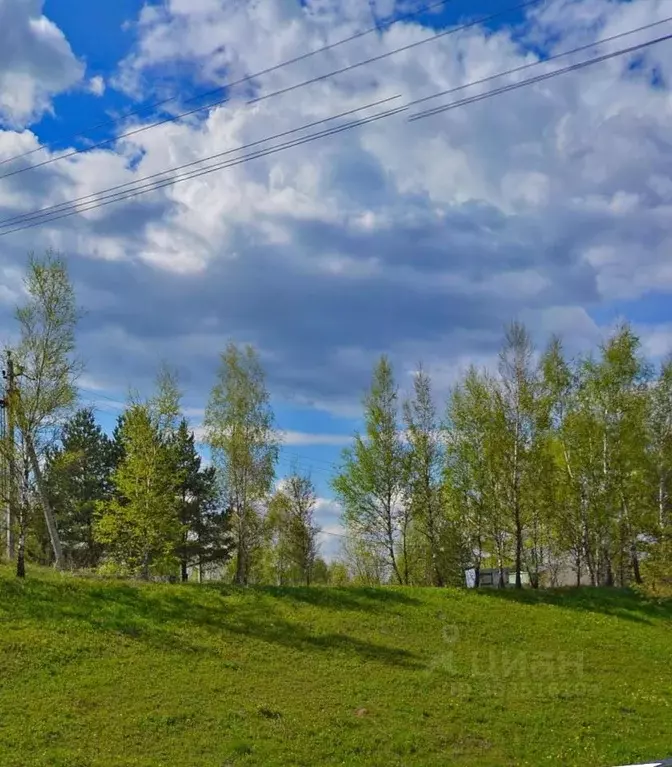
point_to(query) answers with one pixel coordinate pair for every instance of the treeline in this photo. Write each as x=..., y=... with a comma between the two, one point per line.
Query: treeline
x=141, y=502
x=542, y=465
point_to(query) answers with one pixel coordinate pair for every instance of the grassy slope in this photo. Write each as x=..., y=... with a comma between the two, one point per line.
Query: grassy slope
x=110, y=674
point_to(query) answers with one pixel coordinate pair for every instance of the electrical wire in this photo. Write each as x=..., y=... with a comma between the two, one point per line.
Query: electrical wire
x=312, y=137
x=539, y=78
x=195, y=174
x=69, y=203
x=105, y=192
x=282, y=91
x=247, y=78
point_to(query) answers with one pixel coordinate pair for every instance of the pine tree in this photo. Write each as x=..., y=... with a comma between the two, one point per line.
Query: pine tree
x=188, y=473
x=205, y=537
x=78, y=475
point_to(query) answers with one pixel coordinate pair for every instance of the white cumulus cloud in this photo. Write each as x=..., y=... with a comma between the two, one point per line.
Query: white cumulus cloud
x=36, y=62
x=418, y=239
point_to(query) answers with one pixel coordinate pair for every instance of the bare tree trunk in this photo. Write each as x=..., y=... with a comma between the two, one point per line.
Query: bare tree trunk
x=395, y=567
x=390, y=544
x=500, y=563
x=587, y=551
x=519, y=549
x=516, y=510
x=661, y=499
x=404, y=551
x=241, y=574
x=609, y=573
x=21, y=548
x=240, y=578
x=591, y=570
x=144, y=573
x=437, y=578
x=635, y=565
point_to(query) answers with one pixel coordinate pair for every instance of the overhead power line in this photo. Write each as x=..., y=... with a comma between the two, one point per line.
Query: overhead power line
x=241, y=81
x=135, y=182
x=97, y=393
x=537, y=79
x=281, y=91
x=47, y=217
x=139, y=183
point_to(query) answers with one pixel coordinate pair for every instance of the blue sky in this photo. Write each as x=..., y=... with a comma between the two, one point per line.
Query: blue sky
x=418, y=240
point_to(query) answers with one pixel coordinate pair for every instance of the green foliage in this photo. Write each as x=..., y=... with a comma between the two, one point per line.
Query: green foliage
x=44, y=392
x=550, y=465
x=165, y=406
x=337, y=574
x=473, y=450
x=370, y=485
x=139, y=526
x=604, y=434
x=45, y=354
x=78, y=474
x=657, y=567
x=291, y=522
x=241, y=435
x=205, y=536
x=659, y=426
x=424, y=461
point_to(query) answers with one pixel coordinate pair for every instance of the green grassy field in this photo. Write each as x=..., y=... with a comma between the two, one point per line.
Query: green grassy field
x=107, y=673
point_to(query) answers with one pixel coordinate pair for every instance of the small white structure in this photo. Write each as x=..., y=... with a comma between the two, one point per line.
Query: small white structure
x=524, y=579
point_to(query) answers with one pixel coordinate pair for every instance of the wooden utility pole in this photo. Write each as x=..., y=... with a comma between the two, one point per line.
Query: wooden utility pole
x=9, y=449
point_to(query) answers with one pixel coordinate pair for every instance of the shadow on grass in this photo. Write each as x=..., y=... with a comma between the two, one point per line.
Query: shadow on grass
x=171, y=618
x=621, y=603
x=297, y=637
x=351, y=598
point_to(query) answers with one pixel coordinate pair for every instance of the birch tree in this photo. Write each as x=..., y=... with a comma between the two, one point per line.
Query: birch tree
x=370, y=483
x=292, y=512
x=139, y=526
x=424, y=466
x=46, y=366
x=517, y=398
x=660, y=444
x=241, y=433
x=468, y=474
